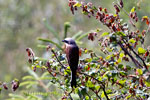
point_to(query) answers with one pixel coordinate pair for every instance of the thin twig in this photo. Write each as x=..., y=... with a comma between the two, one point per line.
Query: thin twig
x=58, y=59
x=96, y=94
x=132, y=58
x=136, y=54
x=131, y=21
x=70, y=95
x=103, y=85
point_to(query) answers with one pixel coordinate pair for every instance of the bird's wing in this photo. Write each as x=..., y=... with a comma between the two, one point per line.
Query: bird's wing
x=73, y=56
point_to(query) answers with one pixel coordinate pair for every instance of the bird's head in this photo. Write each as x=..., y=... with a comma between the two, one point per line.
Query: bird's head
x=69, y=41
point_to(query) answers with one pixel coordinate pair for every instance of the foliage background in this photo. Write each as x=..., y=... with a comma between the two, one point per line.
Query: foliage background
x=21, y=22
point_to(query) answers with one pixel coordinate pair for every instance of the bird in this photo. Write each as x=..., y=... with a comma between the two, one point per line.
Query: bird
x=72, y=54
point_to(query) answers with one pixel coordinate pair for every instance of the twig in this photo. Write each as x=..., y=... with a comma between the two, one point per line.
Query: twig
x=136, y=54
x=44, y=86
x=58, y=59
x=131, y=21
x=70, y=95
x=132, y=58
x=103, y=86
x=96, y=94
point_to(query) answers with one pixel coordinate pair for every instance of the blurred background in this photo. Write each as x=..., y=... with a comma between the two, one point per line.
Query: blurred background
x=22, y=22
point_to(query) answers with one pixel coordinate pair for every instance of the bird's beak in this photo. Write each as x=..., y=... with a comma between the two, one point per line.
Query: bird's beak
x=63, y=40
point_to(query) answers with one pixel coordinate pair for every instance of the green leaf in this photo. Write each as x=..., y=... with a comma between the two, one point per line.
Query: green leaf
x=90, y=84
x=77, y=5
x=87, y=98
x=41, y=46
x=108, y=57
x=102, y=95
x=147, y=84
x=123, y=73
x=132, y=41
x=132, y=10
x=145, y=17
x=121, y=55
x=27, y=77
x=109, y=91
x=120, y=66
x=140, y=72
x=51, y=30
x=119, y=60
x=27, y=83
x=66, y=27
x=122, y=82
x=78, y=34
x=141, y=50
x=97, y=87
x=16, y=96
x=0, y=90
x=50, y=41
x=120, y=33
x=104, y=34
x=82, y=36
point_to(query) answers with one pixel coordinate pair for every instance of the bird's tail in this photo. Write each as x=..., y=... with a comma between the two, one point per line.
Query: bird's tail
x=73, y=79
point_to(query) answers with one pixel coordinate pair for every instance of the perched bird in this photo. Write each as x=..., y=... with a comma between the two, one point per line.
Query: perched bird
x=72, y=54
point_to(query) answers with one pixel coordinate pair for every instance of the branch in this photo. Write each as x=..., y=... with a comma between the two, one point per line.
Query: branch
x=70, y=95
x=103, y=85
x=96, y=94
x=58, y=59
x=132, y=58
x=131, y=21
x=136, y=54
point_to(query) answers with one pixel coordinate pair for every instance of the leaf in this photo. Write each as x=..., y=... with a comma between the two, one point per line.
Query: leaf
x=141, y=50
x=109, y=91
x=132, y=41
x=108, y=57
x=145, y=17
x=122, y=82
x=123, y=73
x=87, y=98
x=16, y=96
x=102, y=95
x=120, y=66
x=50, y=41
x=77, y=5
x=104, y=34
x=97, y=87
x=147, y=84
x=78, y=34
x=27, y=83
x=82, y=36
x=140, y=72
x=27, y=77
x=121, y=55
x=42, y=46
x=90, y=84
x=119, y=60
x=51, y=29
x=120, y=33
x=132, y=10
